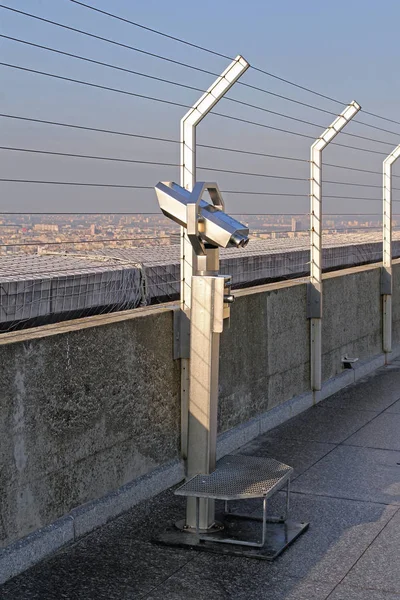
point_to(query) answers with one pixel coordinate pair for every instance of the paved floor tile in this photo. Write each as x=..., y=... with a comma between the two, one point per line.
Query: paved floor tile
x=339, y=532
x=346, y=592
x=357, y=473
x=375, y=392
x=299, y=454
x=219, y=577
x=383, y=432
x=114, y=570
x=147, y=519
x=326, y=425
x=394, y=408
x=379, y=566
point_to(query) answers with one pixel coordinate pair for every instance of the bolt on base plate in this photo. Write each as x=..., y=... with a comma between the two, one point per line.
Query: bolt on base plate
x=181, y=526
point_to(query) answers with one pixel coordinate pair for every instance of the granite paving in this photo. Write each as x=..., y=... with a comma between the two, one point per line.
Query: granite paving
x=394, y=408
x=378, y=568
x=345, y=592
x=364, y=474
x=382, y=433
x=300, y=454
x=346, y=484
x=326, y=425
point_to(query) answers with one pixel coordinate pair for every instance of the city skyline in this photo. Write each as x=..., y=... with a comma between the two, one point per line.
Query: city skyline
x=35, y=234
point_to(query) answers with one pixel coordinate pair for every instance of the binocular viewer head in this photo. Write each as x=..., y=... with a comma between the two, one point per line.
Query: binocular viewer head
x=208, y=221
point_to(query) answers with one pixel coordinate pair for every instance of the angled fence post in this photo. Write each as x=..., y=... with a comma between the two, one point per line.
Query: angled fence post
x=386, y=276
x=188, y=178
x=314, y=301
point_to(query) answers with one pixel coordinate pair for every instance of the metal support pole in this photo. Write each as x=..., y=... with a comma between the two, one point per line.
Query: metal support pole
x=188, y=178
x=315, y=285
x=386, y=275
x=206, y=324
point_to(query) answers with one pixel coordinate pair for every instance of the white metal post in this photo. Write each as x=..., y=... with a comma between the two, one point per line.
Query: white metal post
x=386, y=278
x=188, y=178
x=188, y=156
x=206, y=324
x=315, y=286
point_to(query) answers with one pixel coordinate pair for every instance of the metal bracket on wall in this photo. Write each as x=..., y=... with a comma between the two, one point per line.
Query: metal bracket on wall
x=314, y=310
x=386, y=281
x=181, y=334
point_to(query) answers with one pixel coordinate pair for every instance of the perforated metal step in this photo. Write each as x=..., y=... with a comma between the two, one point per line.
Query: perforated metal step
x=238, y=477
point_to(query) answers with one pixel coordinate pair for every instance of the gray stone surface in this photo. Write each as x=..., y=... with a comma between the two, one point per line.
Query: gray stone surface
x=98, y=512
x=117, y=559
x=335, y=384
x=299, y=454
x=145, y=520
x=83, y=413
x=218, y=578
x=340, y=531
x=396, y=304
x=376, y=391
x=379, y=567
x=346, y=592
x=234, y=438
x=394, y=408
x=123, y=570
x=383, y=433
x=258, y=372
x=280, y=414
x=352, y=318
x=365, y=474
x=23, y=554
x=363, y=367
x=320, y=424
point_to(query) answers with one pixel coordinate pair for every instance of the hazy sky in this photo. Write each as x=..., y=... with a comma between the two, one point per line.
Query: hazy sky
x=347, y=50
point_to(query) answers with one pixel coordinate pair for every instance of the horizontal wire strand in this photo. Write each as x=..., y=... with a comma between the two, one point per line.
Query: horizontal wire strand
x=156, y=163
x=108, y=40
x=182, y=85
x=257, y=69
x=90, y=156
x=95, y=85
x=128, y=186
x=205, y=71
x=170, y=102
x=87, y=128
x=172, y=141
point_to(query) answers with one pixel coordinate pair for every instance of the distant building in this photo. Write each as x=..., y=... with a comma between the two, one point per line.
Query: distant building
x=45, y=227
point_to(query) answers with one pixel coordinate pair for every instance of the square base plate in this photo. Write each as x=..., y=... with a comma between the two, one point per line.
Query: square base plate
x=279, y=537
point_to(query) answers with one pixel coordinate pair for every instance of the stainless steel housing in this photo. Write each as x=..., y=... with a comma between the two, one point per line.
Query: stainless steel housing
x=214, y=225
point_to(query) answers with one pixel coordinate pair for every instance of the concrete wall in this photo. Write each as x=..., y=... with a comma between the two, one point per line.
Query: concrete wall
x=264, y=353
x=352, y=317
x=90, y=405
x=82, y=413
x=396, y=303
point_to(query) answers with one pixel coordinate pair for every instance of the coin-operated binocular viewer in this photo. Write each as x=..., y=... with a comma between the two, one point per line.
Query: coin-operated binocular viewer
x=209, y=228
x=237, y=477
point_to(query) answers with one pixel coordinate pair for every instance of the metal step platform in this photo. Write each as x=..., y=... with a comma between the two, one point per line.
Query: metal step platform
x=239, y=477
